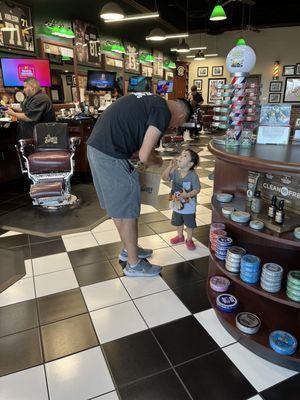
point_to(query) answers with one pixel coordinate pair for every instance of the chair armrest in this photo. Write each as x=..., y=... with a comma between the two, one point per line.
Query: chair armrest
x=25, y=142
x=74, y=142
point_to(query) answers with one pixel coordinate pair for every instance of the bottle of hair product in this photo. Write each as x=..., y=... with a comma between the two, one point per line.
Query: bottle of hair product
x=279, y=216
x=272, y=207
x=256, y=204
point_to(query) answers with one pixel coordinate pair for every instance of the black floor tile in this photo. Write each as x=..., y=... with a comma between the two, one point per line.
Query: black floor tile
x=96, y=272
x=145, y=230
x=288, y=389
x=205, y=186
x=58, y=306
x=14, y=241
x=162, y=203
x=18, y=317
x=201, y=265
x=184, y=339
x=134, y=357
x=19, y=351
x=86, y=256
x=118, y=266
x=164, y=386
x=208, y=205
x=40, y=239
x=47, y=248
x=112, y=250
x=69, y=336
x=162, y=226
x=152, y=217
x=180, y=274
x=194, y=297
x=24, y=252
x=215, y=377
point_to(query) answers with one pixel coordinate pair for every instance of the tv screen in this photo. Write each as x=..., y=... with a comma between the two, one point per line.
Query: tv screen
x=140, y=84
x=165, y=86
x=16, y=70
x=100, y=80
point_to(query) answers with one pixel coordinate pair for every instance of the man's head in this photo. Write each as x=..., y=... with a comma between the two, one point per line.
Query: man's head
x=181, y=112
x=31, y=87
x=194, y=88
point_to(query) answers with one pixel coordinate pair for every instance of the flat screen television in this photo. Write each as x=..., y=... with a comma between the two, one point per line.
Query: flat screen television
x=140, y=84
x=165, y=86
x=16, y=70
x=100, y=80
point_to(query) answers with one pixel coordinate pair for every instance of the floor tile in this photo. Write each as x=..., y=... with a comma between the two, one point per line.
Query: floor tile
x=18, y=317
x=167, y=213
x=55, y=282
x=107, y=237
x=202, y=210
x=288, y=389
x=10, y=233
x=194, y=297
x=118, y=266
x=80, y=376
x=152, y=217
x=9, y=241
x=40, y=239
x=260, y=373
x=201, y=265
x=145, y=209
x=160, y=308
x=184, y=339
x=47, y=264
x=153, y=242
x=108, y=396
x=163, y=189
x=22, y=290
x=58, y=306
x=117, y=321
x=257, y=397
x=214, y=377
x=47, y=248
x=180, y=274
x=166, y=256
x=144, y=230
x=200, y=250
x=105, y=226
x=83, y=241
x=112, y=250
x=19, y=351
x=206, y=218
x=24, y=385
x=28, y=269
x=69, y=336
x=95, y=272
x=162, y=226
x=134, y=357
x=211, y=324
x=164, y=386
x=139, y=287
x=104, y=294
x=86, y=256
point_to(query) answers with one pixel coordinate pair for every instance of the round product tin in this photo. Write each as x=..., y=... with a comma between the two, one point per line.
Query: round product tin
x=297, y=232
x=236, y=251
x=294, y=277
x=273, y=269
x=247, y=323
x=226, y=302
x=251, y=259
x=283, y=342
x=219, y=283
x=292, y=296
x=256, y=224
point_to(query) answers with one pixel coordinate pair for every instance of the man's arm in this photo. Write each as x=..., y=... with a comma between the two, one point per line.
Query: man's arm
x=19, y=115
x=146, y=154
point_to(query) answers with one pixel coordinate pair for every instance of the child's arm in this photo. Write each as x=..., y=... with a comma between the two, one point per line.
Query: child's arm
x=168, y=171
x=192, y=193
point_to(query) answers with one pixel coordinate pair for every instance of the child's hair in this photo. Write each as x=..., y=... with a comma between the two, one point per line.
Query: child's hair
x=194, y=158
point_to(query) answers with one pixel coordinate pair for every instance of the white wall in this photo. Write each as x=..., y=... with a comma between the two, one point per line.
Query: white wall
x=270, y=45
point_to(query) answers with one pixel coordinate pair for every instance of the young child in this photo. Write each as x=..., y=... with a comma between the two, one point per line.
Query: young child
x=185, y=187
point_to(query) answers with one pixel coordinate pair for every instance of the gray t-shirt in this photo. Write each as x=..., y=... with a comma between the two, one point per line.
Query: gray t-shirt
x=188, y=183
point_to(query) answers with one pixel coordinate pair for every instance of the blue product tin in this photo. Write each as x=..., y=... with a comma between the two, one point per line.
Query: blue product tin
x=283, y=342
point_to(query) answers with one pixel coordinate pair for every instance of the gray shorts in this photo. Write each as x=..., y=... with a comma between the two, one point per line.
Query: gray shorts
x=116, y=183
x=189, y=220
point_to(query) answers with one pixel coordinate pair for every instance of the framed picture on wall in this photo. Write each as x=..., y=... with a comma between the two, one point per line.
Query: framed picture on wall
x=217, y=71
x=292, y=90
x=288, y=70
x=275, y=86
x=274, y=97
x=198, y=83
x=297, y=69
x=212, y=88
x=202, y=71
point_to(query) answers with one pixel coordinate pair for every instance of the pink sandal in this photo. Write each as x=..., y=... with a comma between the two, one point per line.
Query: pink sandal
x=190, y=244
x=177, y=240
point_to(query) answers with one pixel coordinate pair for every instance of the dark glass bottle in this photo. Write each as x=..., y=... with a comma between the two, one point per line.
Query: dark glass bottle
x=272, y=207
x=256, y=204
x=279, y=216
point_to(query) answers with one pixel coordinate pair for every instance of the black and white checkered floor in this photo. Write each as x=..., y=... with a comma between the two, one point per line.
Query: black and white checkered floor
x=75, y=328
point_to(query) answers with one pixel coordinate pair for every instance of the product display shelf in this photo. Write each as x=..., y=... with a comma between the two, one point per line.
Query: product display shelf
x=275, y=311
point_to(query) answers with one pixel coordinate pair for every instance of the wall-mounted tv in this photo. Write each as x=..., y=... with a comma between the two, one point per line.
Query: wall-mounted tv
x=101, y=80
x=165, y=86
x=16, y=70
x=140, y=84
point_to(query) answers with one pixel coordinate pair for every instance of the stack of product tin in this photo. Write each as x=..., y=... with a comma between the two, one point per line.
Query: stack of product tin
x=250, y=269
x=293, y=285
x=227, y=303
x=223, y=244
x=213, y=237
x=271, y=277
x=233, y=258
x=283, y=342
x=219, y=283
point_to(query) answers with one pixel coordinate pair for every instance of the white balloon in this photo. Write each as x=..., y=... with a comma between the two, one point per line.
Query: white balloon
x=241, y=58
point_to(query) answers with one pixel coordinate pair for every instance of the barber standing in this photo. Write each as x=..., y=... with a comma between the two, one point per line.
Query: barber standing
x=35, y=109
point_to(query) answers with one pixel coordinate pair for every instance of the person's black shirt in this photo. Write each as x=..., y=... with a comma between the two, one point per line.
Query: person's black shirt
x=120, y=130
x=39, y=109
x=196, y=101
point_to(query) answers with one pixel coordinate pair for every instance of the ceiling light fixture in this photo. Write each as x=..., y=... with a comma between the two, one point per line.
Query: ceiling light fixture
x=192, y=48
x=177, y=35
x=183, y=47
x=112, y=11
x=118, y=48
x=156, y=35
x=199, y=56
x=212, y=55
x=133, y=17
x=218, y=13
x=190, y=56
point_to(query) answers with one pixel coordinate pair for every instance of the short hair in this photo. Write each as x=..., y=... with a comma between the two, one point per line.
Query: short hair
x=194, y=88
x=194, y=158
x=188, y=109
x=33, y=82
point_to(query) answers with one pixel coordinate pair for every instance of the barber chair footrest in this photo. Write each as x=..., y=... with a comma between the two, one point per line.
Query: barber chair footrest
x=47, y=189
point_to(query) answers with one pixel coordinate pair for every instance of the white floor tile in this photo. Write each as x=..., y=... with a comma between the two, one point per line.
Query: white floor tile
x=166, y=256
x=139, y=287
x=163, y=189
x=153, y=242
x=257, y=397
x=28, y=268
x=201, y=210
x=207, y=192
x=10, y=233
x=107, y=237
x=79, y=376
x=204, y=153
x=161, y=307
x=203, y=199
x=20, y=291
x=200, y=251
x=117, y=321
x=167, y=213
x=203, y=159
x=107, y=225
x=70, y=235
x=206, y=218
x=210, y=169
x=145, y=209
x=200, y=223
x=212, y=325
x=47, y=264
x=56, y=282
x=29, y=384
x=104, y=294
x=206, y=180
x=260, y=373
x=80, y=242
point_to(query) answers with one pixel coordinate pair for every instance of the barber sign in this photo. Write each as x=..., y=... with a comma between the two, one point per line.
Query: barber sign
x=241, y=59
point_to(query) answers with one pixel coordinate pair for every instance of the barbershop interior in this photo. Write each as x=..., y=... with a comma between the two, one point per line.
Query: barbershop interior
x=149, y=200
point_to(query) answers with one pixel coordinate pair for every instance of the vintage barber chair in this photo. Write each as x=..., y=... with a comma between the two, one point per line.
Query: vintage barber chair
x=48, y=159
